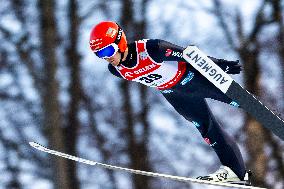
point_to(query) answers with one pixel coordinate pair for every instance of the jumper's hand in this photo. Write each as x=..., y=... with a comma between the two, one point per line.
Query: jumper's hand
x=230, y=67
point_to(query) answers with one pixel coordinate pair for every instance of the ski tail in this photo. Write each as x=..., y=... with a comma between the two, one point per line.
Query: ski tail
x=256, y=109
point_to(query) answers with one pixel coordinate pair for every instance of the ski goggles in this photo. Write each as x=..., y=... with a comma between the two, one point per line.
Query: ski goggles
x=108, y=51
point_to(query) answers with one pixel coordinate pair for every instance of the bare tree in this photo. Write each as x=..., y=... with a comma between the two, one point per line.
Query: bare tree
x=137, y=145
x=51, y=106
x=277, y=148
x=71, y=130
x=248, y=47
x=278, y=16
x=15, y=147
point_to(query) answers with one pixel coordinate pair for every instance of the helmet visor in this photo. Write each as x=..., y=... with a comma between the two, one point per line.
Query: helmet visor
x=107, y=51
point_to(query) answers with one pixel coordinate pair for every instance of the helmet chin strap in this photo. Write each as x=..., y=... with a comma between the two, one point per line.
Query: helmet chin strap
x=121, y=57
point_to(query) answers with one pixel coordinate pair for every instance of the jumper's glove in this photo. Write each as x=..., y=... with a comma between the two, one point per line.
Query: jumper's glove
x=230, y=67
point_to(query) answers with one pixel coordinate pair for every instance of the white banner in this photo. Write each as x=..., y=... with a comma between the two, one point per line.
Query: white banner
x=207, y=68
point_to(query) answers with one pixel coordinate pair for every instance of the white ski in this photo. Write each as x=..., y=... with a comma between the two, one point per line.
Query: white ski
x=145, y=173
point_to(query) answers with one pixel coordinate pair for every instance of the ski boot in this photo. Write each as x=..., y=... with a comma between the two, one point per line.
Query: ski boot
x=225, y=174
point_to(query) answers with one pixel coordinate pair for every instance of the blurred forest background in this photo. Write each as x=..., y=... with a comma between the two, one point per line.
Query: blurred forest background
x=54, y=91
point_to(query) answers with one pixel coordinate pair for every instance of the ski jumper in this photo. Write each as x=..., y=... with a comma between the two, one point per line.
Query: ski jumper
x=157, y=63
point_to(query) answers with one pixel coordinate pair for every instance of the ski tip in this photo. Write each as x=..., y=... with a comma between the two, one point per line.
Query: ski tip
x=31, y=143
x=34, y=144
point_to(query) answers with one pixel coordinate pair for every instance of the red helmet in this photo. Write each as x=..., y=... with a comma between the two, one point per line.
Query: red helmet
x=106, y=33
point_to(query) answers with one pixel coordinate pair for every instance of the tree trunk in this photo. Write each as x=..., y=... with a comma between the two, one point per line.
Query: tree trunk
x=279, y=18
x=145, y=109
x=137, y=145
x=52, y=118
x=73, y=62
x=276, y=147
x=255, y=133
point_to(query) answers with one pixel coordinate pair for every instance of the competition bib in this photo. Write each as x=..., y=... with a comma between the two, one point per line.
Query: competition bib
x=148, y=72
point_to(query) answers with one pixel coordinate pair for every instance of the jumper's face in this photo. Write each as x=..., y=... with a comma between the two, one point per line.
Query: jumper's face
x=115, y=59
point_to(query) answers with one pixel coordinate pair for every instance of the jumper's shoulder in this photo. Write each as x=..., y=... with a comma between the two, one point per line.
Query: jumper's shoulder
x=112, y=70
x=148, y=41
